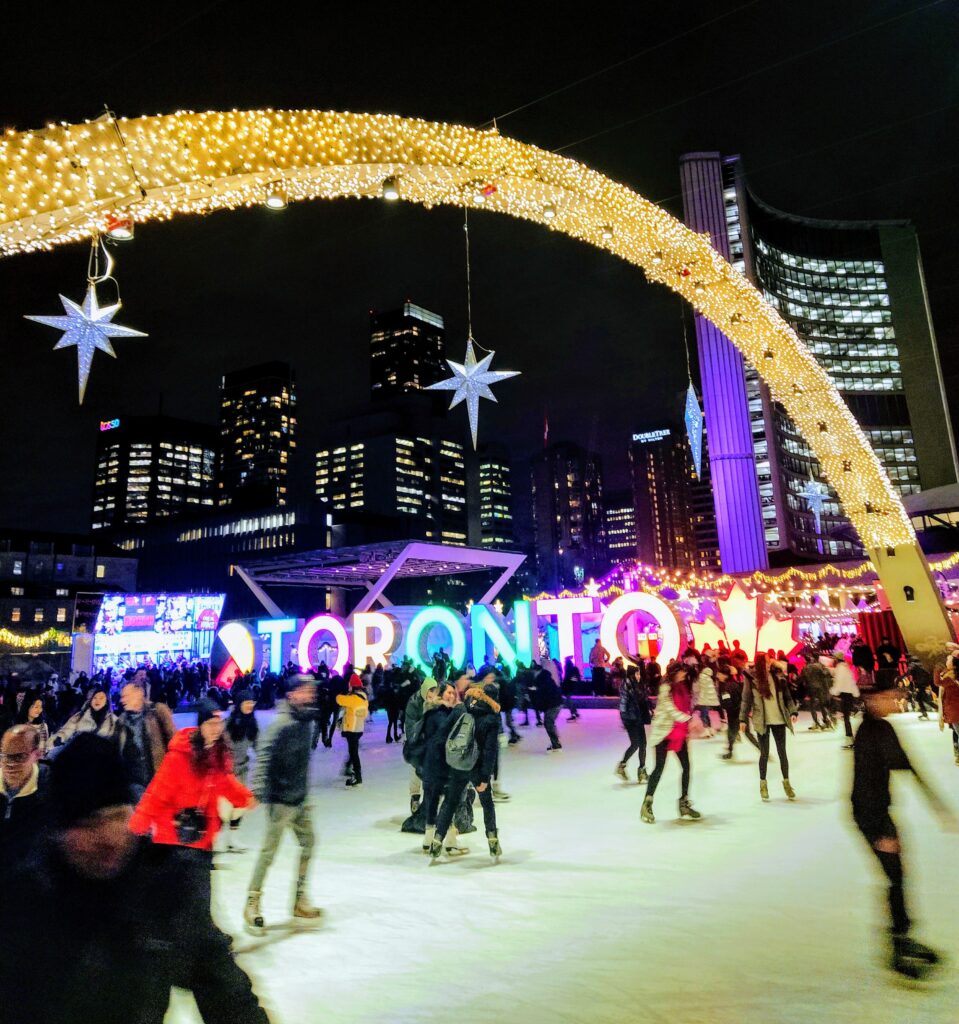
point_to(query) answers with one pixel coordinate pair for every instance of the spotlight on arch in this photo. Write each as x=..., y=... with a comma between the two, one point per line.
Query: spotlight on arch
x=275, y=198
x=549, y=211
x=607, y=232
x=391, y=189
x=119, y=226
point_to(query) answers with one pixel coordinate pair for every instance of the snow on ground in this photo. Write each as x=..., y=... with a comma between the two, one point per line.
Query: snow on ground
x=757, y=913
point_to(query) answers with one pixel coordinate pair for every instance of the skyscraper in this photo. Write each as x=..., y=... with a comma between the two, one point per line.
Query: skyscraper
x=150, y=468
x=407, y=350
x=257, y=436
x=495, y=497
x=622, y=538
x=570, y=534
x=660, y=468
x=854, y=292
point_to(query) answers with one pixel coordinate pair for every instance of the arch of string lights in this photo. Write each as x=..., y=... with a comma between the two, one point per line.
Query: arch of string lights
x=65, y=182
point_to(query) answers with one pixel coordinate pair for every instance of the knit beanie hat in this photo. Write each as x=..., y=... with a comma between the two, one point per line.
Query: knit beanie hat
x=205, y=710
x=355, y=682
x=86, y=776
x=241, y=696
x=429, y=683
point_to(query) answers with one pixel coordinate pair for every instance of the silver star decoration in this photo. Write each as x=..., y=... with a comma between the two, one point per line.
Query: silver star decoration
x=89, y=327
x=470, y=381
x=815, y=495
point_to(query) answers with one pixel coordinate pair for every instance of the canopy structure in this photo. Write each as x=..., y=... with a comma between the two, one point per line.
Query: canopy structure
x=373, y=567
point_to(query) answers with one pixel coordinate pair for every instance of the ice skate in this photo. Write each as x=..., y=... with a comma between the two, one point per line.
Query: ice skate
x=788, y=789
x=252, y=916
x=495, y=851
x=500, y=796
x=912, y=959
x=452, y=845
x=643, y=777
x=554, y=746
x=727, y=756
x=303, y=910
x=620, y=770
x=436, y=848
x=646, y=813
x=763, y=789
x=816, y=728
x=233, y=845
x=686, y=809
x=354, y=781
x=415, y=803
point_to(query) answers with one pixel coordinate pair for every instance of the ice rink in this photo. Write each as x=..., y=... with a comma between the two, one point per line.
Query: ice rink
x=757, y=913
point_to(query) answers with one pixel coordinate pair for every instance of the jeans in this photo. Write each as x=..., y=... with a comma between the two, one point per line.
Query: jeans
x=704, y=715
x=637, y=742
x=822, y=704
x=353, y=757
x=279, y=817
x=661, y=751
x=779, y=734
x=570, y=706
x=455, y=787
x=550, y=722
x=846, y=706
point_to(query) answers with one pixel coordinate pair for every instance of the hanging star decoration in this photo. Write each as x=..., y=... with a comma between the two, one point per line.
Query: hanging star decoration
x=471, y=381
x=815, y=497
x=88, y=327
x=693, y=418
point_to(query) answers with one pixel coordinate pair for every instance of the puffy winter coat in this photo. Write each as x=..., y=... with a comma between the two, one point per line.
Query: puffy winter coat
x=753, y=702
x=665, y=716
x=633, y=702
x=817, y=679
x=158, y=729
x=547, y=694
x=357, y=707
x=485, y=712
x=83, y=721
x=437, y=723
x=179, y=784
x=704, y=690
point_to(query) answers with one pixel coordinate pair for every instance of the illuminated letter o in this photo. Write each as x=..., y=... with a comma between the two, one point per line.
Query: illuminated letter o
x=656, y=609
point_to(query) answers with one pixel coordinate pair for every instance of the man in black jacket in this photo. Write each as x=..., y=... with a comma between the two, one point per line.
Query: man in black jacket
x=281, y=782
x=123, y=920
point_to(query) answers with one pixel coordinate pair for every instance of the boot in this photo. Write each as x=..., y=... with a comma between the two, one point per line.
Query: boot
x=646, y=813
x=763, y=789
x=354, y=780
x=303, y=910
x=788, y=789
x=500, y=796
x=686, y=809
x=415, y=803
x=436, y=848
x=428, y=838
x=621, y=771
x=643, y=777
x=252, y=916
x=453, y=848
x=495, y=851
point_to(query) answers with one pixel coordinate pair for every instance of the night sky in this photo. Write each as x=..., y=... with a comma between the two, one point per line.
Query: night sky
x=839, y=110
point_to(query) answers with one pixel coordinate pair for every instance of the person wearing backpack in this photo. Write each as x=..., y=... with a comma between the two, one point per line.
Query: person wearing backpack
x=356, y=705
x=472, y=748
x=414, y=742
x=440, y=715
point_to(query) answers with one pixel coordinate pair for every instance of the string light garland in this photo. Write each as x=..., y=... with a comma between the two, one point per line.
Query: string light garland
x=62, y=183
x=49, y=638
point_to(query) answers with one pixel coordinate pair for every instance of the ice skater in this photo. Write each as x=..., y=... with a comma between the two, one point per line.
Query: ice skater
x=706, y=698
x=670, y=731
x=634, y=713
x=241, y=734
x=768, y=699
x=845, y=688
x=876, y=752
x=356, y=706
x=949, y=702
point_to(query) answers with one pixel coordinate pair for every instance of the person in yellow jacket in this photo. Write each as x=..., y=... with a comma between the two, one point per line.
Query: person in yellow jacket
x=356, y=705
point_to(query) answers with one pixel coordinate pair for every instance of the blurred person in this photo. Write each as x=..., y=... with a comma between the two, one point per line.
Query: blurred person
x=768, y=700
x=818, y=679
x=572, y=681
x=635, y=714
x=32, y=713
x=356, y=707
x=122, y=920
x=598, y=664
x=548, y=699
x=844, y=687
x=144, y=732
x=242, y=730
x=23, y=786
x=281, y=782
x=705, y=698
x=949, y=700
x=670, y=732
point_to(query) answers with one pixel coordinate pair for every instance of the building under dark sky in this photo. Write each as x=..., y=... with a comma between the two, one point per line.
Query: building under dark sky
x=823, y=102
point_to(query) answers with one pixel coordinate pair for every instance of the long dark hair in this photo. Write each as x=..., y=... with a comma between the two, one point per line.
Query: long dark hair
x=208, y=759
x=241, y=726
x=761, y=675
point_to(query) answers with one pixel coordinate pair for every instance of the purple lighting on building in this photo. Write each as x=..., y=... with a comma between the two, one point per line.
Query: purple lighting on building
x=742, y=544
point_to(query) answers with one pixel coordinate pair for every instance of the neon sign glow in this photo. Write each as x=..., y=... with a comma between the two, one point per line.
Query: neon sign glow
x=109, y=425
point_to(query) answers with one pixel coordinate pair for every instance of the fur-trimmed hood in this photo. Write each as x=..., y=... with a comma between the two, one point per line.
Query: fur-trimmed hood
x=478, y=694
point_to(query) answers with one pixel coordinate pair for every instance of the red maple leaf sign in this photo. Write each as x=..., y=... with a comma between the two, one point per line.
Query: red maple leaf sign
x=741, y=621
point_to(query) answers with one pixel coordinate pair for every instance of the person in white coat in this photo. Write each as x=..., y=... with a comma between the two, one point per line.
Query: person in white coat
x=845, y=688
x=706, y=698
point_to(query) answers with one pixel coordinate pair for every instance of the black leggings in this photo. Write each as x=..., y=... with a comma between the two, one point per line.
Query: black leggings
x=779, y=734
x=891, y=864
x=637, y=742
x=455, y=787
x=846, y=706
x=661, y=751
x=353, y=761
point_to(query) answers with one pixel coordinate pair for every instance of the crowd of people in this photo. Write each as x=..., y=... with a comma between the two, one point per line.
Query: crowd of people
x=102, y=797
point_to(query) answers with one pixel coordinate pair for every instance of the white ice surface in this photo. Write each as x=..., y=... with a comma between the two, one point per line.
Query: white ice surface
x=767, y=913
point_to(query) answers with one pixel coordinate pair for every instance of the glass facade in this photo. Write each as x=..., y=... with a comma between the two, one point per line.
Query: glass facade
x=407, y=350
x=495, y=504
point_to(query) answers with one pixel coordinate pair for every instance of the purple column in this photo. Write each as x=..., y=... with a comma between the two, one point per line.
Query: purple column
x=739, y=521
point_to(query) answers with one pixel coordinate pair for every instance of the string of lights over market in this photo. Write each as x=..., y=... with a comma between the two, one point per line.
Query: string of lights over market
x=66, y=183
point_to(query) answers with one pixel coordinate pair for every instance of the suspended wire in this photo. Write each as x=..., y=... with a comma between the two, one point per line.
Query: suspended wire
x=682, y=316
x=750, y=74
x=470, y=340
x=620, y=63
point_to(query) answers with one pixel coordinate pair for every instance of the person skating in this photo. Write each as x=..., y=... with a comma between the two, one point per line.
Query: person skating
x=844, y=687
x=818, y=680
x=94, y=716
x=635, y=715
x=144, y=731
x=281, y=783
x=670, y=731
x=481, y=747
x=549, y=700
x=356, y=707
x=572, y=681
x=598, y=664
x=414, y=742
x=441, y=711
x=242, y=731
x=768, y=699
x=105, y=923
x=877, y=752
x=706, y=698
x=949, y=701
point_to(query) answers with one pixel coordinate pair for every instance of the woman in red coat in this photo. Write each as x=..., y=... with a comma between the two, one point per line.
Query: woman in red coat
x=181, y=805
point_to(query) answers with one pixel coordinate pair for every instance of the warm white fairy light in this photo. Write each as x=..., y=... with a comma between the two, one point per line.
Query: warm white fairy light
x=61, y=183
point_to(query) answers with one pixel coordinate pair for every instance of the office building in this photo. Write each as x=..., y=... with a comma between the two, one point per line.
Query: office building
x=660, y=469
x=407, y=350
x=257, y=436
x=150, y=468
x=854, y=292
x=622, y=539
x=396, y=471
x=495, y=498
x=568, y=522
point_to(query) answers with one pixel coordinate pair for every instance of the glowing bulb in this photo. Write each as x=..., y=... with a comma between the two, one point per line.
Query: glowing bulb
x=549, y=211
x=699, y=288
x=391, y=189
x=275, y=199
x=119, y=227
x=479, y=198
x=657, y=258
x=607, y=232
